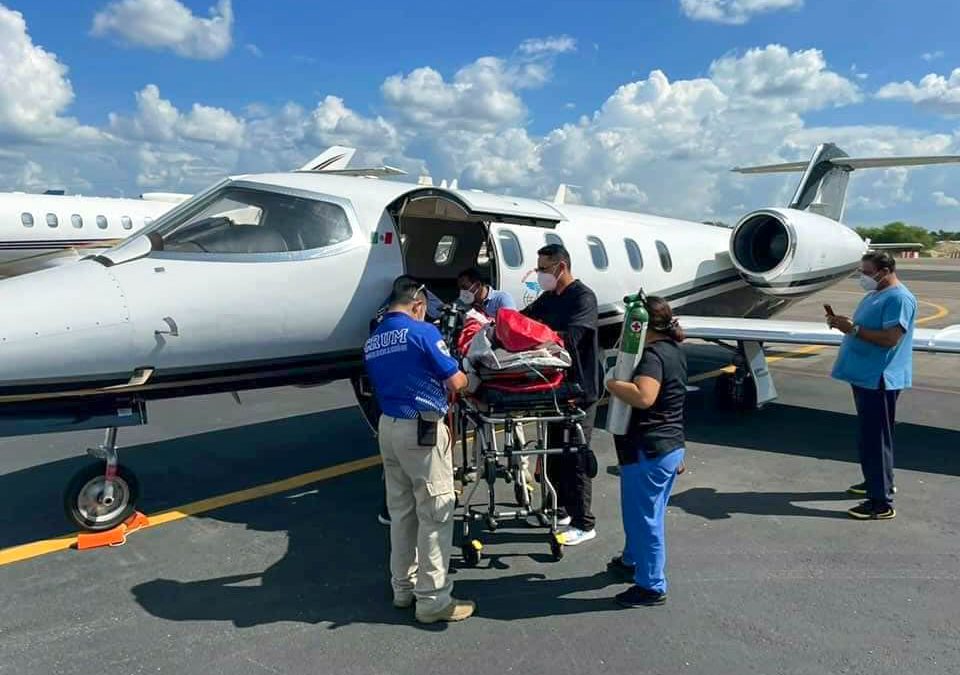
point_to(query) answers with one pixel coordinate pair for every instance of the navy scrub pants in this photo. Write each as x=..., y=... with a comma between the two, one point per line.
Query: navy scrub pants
x=644, y=492
x=876, y=410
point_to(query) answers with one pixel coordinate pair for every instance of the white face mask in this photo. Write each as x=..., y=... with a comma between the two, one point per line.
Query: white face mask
x=868, y=283
x=469, y=296
x=547, y=281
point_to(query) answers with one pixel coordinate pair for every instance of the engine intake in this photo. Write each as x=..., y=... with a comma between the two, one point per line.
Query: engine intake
x=792, y=253
x=760, y=243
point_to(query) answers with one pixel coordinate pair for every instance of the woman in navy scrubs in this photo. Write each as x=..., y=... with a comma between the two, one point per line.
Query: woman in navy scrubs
x=650, y=455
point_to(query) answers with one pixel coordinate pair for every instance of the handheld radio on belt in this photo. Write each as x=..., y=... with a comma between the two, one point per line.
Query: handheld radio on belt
x=632, y=337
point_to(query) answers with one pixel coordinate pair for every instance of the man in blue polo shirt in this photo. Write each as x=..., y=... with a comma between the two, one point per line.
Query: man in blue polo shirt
x=876, y=358
x=413, y=374
x=478, y=295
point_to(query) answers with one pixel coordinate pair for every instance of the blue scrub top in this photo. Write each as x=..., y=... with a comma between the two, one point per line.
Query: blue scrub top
x=864, y=364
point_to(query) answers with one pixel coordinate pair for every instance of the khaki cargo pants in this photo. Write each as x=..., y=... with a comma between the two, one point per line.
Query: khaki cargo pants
x=421, y=502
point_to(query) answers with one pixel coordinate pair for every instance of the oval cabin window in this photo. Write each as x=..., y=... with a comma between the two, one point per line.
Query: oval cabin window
x=665, y=261
x=634, y=254
x=510, y=247
x=598, y=253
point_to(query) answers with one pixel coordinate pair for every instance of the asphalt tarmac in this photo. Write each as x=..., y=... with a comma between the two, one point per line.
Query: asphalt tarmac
x=767, y=573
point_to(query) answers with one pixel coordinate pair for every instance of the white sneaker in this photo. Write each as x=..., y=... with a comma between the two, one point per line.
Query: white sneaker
x=564, y=522
x=573, y=536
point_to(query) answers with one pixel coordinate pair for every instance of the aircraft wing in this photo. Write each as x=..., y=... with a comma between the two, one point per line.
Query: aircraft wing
x=936, y=340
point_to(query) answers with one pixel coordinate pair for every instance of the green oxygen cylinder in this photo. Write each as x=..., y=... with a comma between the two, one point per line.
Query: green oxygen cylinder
x=632, y=337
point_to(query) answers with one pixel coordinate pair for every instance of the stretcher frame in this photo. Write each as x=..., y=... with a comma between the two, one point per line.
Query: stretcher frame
x=483, y=461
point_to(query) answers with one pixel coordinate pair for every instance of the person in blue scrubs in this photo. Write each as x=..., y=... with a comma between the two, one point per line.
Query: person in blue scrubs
x=876, y=358
x=650, y=455
x=474, y=293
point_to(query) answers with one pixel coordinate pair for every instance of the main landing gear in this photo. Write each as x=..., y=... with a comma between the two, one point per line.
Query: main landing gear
x=750, y=385
x=102, y=494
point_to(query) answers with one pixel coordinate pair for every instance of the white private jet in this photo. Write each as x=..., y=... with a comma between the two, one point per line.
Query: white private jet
x=46, y=230
x=266, y=280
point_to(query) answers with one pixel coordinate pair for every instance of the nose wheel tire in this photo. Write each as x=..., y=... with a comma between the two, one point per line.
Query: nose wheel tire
x=87, y=505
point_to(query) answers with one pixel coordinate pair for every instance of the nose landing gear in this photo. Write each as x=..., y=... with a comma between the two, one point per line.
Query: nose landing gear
x=103, y=494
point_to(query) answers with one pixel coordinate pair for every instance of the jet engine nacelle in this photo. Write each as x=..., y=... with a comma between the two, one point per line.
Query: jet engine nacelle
x=787, y=252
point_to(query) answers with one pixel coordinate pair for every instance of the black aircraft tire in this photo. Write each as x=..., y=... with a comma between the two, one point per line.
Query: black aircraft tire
x=86, y=485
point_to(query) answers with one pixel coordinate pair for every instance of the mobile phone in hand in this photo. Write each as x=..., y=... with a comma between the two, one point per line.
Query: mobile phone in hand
x=829, y=310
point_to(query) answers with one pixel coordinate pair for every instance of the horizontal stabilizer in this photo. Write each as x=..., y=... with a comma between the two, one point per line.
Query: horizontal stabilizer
x=372, y=172
x=854, y=163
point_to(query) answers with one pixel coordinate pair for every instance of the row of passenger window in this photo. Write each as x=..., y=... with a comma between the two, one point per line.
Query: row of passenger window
x=513, y=253
x=77, y=221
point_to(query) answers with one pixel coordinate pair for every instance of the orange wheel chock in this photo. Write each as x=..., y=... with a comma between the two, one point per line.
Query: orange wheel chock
x=116, y=536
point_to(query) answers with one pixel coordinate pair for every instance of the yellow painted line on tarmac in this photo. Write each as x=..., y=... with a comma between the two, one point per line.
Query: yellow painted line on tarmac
x=43, y=547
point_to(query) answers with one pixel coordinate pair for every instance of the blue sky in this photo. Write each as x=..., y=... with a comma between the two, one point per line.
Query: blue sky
x=513, y=96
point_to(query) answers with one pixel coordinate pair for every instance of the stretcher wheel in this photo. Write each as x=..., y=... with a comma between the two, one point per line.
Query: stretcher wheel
x=471, y=552
x=84, y=503
x=491, y=523
x=556, y=547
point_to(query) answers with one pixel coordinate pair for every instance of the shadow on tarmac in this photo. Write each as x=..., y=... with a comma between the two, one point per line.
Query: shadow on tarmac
x=708, y=503
x=334, y=543
x=818, y=434
x=181, y=470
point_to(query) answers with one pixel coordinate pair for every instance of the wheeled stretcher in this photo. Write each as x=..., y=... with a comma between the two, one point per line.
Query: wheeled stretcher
x=524, y=412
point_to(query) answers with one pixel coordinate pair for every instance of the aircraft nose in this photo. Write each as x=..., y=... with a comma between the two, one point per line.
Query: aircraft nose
x=65, y=324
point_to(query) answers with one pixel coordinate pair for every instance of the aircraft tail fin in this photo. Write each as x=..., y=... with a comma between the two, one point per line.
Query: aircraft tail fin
x=823, y=187
x=336, y=157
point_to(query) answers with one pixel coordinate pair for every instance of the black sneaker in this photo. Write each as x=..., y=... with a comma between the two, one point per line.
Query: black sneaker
x=620, y=569
x=860, y=489
x=870, y=511
x=637, y=596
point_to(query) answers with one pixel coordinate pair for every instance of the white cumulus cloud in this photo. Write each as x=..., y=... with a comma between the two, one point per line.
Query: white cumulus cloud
x=158, y=120
x=34, y=89
x=934, y=92
x=774, y=76
x=733, y=12
x=168, y=24
x=944, y=200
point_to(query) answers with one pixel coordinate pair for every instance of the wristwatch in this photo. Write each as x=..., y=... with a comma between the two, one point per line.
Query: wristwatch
x=855, y=331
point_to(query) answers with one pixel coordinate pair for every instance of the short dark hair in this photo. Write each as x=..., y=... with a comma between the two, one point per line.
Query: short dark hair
x=557, y=253
x=406, y=291
x=881, y=260
x=471, y=274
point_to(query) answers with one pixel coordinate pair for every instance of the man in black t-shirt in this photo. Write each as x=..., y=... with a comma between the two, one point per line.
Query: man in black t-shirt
x=569, y=307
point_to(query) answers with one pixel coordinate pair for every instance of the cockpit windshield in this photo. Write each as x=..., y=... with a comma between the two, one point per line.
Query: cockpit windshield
x=242, y=220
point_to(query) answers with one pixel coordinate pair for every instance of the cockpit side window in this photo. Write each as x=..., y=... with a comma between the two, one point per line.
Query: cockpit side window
x=247, y=221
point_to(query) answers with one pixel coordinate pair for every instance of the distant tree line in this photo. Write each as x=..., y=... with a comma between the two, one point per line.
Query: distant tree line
x=901, y=233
